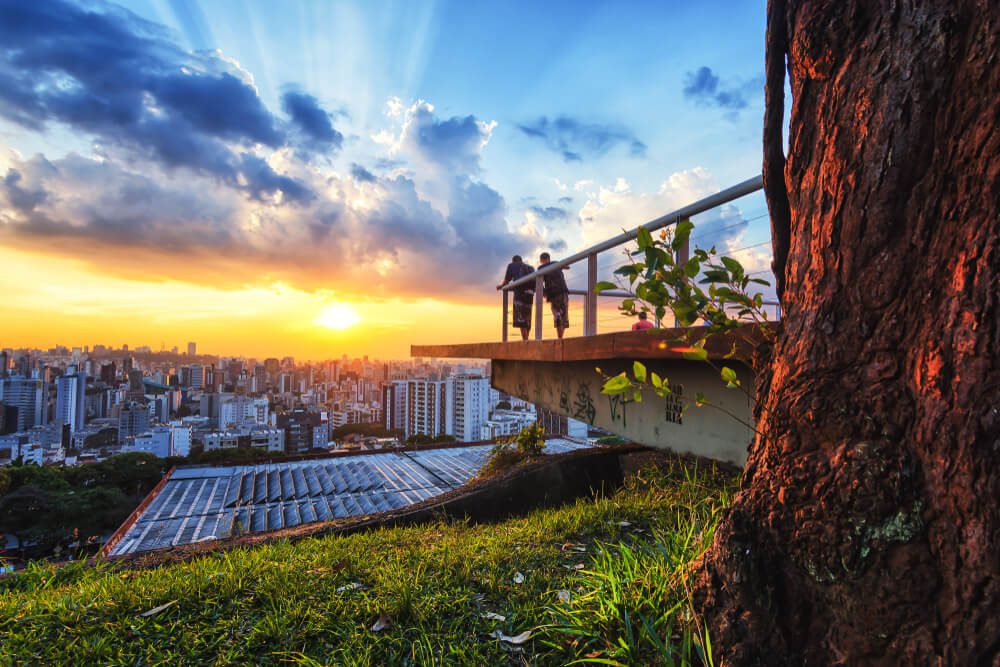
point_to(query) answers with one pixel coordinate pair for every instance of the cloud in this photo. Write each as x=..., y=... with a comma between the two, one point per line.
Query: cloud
x=362, y=174
x=306, y=113
x=344, y=231
x=453, y=144
x=611, y=209
x=703, y=87
x=192, y=177
x=575, y=140
x=23, y=200
x=125, y=82
x=549, y=212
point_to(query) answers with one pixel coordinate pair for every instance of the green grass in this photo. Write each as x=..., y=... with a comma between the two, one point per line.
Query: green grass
x=280, y=603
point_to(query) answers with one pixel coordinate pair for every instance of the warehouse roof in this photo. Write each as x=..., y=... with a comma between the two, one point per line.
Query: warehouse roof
x=196, y=504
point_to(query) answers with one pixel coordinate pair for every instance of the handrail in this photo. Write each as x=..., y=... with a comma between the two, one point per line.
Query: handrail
x=747, y=187
x=590, y=254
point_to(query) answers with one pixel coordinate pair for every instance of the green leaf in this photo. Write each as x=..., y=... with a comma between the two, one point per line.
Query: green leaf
x=639, y=371
x=692, y=268
x=656, y=379
x=734, y=267
x=682, y=233
x=700, y=399
x=637, y=395
x=696, y=354
x=643, y=238
x=628, y=270
x=730, y=377
x=616, y=385
x=760, y=281
x=604, y=285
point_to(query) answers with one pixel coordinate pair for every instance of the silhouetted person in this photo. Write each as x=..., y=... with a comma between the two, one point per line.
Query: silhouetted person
x=643, y=323
x=557, y=294
x=523, y=294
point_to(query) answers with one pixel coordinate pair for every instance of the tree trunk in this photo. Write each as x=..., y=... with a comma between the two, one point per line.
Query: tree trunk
x=867, y=529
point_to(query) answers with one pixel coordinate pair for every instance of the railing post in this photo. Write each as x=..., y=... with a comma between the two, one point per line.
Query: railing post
x=506, y=310
x=681, y=257
x=539, y=303
x=590, y=300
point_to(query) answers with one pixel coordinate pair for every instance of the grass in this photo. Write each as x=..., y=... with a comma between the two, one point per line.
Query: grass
x=604, y=580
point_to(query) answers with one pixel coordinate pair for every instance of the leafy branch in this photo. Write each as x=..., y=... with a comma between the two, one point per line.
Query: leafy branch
x=707, y=288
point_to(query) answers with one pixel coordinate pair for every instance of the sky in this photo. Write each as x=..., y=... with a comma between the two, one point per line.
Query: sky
x=320, y=178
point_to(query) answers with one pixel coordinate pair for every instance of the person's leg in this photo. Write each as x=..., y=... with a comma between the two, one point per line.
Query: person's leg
x=560, y=313
x=524, y=333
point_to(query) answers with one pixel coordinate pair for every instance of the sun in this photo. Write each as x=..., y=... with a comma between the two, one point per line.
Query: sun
x=338, y=316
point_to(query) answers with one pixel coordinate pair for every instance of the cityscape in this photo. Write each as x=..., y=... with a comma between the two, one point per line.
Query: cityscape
x=71, y=406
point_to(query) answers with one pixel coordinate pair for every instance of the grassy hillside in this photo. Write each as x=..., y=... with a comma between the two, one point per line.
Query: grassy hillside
x=599, y=580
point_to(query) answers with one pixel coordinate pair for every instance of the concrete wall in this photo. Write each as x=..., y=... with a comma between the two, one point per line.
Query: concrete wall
x=573, y=388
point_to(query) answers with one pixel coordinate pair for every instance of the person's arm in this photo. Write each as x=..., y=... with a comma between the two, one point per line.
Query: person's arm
x=506, y=278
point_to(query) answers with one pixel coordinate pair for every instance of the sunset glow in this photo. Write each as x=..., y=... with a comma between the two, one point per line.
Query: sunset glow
x=338, y=316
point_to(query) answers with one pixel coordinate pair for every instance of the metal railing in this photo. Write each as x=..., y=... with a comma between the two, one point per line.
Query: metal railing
x=590, y=254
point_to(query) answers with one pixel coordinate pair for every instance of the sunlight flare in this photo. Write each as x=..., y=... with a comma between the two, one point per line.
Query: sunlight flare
x=338, y=316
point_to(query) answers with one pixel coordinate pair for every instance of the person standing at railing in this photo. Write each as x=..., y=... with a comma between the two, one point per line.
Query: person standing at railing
x=557, y=294
x=523, y=294
x=643, y=323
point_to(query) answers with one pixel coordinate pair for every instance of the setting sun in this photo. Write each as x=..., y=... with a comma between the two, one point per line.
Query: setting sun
x=338, y=316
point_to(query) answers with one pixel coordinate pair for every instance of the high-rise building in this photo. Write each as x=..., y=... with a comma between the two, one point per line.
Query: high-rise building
x=133, y=420
x=427, y=404
x=70, y=400
x=108, y=373
x=394, y=405
x=193, y=376
x=259, y=378
x=192, y=349
x=27, y=396
x=469, y=406
x=298, y=426
x=180, y=439
x=236, y=410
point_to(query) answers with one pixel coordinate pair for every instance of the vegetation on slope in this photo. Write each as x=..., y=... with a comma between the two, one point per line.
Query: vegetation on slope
x=601, y=580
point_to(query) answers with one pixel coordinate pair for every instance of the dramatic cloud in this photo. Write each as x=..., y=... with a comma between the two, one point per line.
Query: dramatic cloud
x=361, y=229
x=575, y=140
x=703, y=87
x=123, y=80
x=311, y=118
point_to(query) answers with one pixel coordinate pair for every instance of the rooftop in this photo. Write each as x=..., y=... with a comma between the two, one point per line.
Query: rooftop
x=197, y=504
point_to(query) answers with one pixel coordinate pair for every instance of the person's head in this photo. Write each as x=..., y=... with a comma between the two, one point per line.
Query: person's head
x=642, y=315
x=516, y=259
x=544, y=258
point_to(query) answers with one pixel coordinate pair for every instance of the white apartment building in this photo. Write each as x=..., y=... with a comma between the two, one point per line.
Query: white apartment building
x=470, y=407
x=156, y=441
x=180, y=439
x=237, y=410
x=427, y=407
x=505, y=423
x=270, y=439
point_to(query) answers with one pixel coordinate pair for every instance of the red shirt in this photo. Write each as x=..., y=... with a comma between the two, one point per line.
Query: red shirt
x=642, y=324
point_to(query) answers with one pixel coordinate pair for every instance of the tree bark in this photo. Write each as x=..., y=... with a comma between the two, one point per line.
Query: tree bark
x=867, y=529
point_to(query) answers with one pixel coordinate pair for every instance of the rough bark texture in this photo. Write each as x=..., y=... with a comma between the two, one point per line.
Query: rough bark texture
x=868, y=527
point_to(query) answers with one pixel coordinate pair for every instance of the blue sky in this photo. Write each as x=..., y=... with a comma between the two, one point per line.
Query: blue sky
x=329, y=144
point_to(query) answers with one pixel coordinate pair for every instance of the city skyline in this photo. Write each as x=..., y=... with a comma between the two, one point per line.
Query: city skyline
x=349, y=176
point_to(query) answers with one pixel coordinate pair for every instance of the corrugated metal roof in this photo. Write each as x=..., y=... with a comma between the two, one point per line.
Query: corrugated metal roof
x=206, y=503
